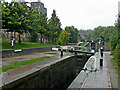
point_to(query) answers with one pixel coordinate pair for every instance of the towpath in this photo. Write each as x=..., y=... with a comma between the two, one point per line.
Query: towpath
x=96, y=76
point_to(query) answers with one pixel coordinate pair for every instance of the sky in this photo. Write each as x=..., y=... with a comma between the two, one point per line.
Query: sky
x=83, y=14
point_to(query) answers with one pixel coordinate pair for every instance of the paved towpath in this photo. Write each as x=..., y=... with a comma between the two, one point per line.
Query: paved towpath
x=112, y=71
x=96, y=76
x=98, y=79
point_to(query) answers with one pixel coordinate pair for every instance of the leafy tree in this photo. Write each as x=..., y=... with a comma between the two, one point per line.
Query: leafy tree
x=113, y=42
x=43, y=24
x=14, y=17
x=34, y=25
x=54, y=26
x=117, y=52
x=64, y=38
x=73, y=34
x=37, y=25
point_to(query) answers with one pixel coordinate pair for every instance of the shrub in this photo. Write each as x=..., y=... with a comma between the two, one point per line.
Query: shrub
x=117, y=53
x=113, y=42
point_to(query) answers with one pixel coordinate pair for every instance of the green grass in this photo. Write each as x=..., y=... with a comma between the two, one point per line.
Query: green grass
x=83, y=44
x=22, y=63
x=7, y=45
x=83, y=49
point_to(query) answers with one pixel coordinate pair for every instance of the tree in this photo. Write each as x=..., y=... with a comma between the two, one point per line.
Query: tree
x=54, y=26
x=64, y=38
x=18, y=18
x=43, y=24
x=73, y=34
x=14, y=17
x=34, y=25
x=117, y=52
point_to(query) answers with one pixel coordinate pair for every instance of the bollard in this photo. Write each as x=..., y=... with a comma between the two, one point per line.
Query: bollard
x=61, y=53
x=101, y=52
x=101, y=62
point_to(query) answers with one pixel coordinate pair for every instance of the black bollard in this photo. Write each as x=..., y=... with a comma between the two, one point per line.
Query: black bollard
x=101, y=62
x=101, y=52
x=61, y=53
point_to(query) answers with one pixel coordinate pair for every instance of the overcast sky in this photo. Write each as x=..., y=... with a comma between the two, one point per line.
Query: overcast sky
x=83, y=14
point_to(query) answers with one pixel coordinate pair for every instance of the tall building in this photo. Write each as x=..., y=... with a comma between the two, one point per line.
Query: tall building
x=119, y=7
x=39, y=6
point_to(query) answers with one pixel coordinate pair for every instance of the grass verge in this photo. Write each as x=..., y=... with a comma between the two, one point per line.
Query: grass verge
x=83, y=44
x=22, y=63
x=7, y=45
x=83, y=49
